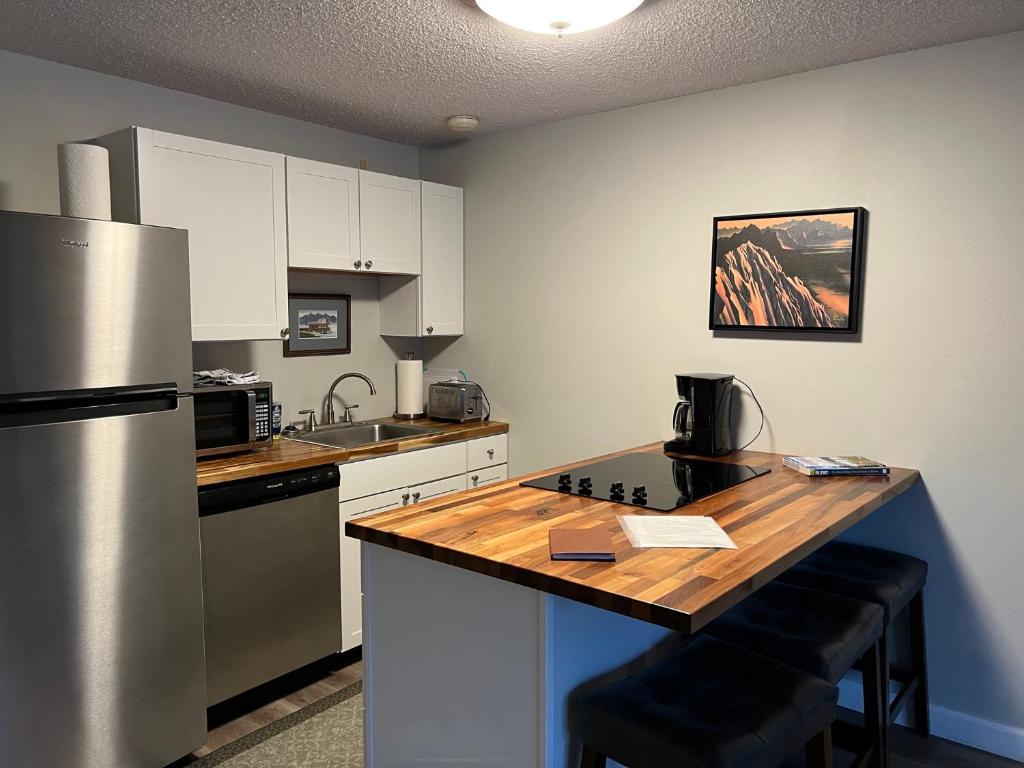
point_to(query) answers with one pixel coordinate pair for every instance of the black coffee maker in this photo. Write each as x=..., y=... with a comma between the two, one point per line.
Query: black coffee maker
x=702, y=416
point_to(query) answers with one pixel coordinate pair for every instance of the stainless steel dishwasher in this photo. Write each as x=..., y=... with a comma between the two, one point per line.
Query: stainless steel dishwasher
x=271, y=579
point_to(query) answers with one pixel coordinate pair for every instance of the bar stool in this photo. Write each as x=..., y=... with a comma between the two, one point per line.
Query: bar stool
x=896, y=582
x=820, y=633
x=709, y=705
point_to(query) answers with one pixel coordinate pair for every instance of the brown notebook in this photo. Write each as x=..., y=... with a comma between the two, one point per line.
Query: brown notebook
x=580, y=544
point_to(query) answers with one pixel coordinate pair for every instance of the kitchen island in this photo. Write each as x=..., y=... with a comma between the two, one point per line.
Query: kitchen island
x=474, y=639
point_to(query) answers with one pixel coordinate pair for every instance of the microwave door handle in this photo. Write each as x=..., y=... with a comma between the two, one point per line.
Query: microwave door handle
x=252, y=416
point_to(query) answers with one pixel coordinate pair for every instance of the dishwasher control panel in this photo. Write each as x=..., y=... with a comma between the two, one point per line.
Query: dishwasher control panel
x=263, y=490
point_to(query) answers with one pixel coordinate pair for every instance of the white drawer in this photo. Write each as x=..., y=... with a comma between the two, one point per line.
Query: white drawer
x=370, y=505
x=486, y=452
x=432, y=490
x=478, y=478
x=362, y=478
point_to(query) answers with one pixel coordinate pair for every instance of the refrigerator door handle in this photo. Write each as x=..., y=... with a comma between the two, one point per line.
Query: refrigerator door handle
x=252, y=416
x=85, y=405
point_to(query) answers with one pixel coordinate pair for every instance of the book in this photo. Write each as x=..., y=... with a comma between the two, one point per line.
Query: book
x=830, y=466
x=580, y=544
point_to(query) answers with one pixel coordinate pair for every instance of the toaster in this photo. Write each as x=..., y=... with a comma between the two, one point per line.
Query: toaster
x=455, y=401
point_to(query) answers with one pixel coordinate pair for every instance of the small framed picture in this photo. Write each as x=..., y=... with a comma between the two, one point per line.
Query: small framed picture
x=318, y=324
x=791, y=271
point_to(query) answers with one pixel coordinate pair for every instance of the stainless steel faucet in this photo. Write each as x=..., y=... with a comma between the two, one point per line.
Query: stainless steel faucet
x=329, y=412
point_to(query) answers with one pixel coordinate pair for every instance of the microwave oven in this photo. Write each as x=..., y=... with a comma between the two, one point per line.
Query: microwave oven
x=234, y=418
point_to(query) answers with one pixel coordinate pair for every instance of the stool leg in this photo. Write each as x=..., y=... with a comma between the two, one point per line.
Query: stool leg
x=819, y=750
x=919, y=664
x=876, y=713
x=883, y=664
x=591, y=759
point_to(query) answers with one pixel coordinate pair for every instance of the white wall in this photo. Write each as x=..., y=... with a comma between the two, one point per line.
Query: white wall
x=588, y=260
x=43, y=104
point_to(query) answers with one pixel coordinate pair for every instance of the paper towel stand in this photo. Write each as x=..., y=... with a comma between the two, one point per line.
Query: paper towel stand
x=409, y=388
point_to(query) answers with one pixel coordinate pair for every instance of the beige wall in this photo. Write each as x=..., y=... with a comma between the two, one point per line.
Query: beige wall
x=43, y=104
x=588, y=251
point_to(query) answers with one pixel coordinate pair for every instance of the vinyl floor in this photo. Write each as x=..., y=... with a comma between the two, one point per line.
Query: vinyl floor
x=245, y=715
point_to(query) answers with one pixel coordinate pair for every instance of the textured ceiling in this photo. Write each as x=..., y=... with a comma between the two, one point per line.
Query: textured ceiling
x=397, y=68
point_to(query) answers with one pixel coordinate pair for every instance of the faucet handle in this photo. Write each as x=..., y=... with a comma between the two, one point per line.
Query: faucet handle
x=310, y=415
x=347, y=418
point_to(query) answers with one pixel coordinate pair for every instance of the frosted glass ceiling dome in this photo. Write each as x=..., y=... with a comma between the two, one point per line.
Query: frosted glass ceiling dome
x=558, y=17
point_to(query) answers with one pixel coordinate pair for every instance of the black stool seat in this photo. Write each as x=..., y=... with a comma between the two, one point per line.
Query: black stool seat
x=819, y=632
x=890, y=579
x=709, y=705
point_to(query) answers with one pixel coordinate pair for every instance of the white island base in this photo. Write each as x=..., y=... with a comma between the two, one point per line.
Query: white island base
x=463, y=669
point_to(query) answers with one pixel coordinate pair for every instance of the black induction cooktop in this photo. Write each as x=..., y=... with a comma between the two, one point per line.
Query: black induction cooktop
x=650, y=480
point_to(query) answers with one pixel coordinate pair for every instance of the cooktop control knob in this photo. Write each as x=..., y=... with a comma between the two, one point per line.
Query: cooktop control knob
x=640, y=492
x=565, y=479
x=585, y=482
x=617, y=489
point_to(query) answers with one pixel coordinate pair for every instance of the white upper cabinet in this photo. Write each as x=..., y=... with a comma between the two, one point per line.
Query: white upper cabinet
x=433, y=304
x=389, y=223
x=232, y=202
x=323, y=215
x=441, y=286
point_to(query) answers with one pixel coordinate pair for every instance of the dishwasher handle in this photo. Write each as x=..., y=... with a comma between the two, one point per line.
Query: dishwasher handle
x=225, y=497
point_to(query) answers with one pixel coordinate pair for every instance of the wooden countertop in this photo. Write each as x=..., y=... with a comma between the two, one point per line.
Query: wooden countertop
x=285, y=455
x=502, y=531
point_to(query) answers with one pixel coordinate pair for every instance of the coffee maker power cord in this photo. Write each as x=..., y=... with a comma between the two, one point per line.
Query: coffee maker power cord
x=759, y=408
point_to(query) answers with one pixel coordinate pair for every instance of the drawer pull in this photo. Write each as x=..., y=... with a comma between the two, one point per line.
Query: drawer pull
x=475, y=479
x=490, y=453
x=405, y=499
x=415, y=497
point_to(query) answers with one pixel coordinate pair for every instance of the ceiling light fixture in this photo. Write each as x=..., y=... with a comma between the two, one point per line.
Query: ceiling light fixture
x=558, y=17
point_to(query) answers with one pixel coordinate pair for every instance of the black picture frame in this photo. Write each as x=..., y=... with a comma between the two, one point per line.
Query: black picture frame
x=324, y=304
x=856, y=268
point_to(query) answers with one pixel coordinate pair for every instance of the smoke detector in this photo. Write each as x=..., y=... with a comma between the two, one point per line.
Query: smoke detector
x=463, y=123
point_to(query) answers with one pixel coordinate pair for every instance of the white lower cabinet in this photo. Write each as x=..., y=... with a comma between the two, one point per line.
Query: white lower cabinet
x=478, y=478
x=351, y=579
x=403, y=479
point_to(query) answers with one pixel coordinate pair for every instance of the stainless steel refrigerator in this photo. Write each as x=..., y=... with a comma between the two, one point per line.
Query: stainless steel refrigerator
x=101, y=615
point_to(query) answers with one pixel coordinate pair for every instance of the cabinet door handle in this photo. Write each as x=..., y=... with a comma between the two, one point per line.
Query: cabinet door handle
x=368, y=264
x=357, y=264
x=284, y=333
x=405, y=499
x=430, y=329
x=416, y=497
x=490, y=453
x=475, y=479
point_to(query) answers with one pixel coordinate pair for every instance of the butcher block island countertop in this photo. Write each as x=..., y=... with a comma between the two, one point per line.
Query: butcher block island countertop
x=502, y=531
x=285, y=455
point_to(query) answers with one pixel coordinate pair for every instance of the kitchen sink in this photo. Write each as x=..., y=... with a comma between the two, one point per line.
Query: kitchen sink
x=368, y=433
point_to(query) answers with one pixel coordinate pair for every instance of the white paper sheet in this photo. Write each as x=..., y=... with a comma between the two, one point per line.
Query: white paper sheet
x=672, y=531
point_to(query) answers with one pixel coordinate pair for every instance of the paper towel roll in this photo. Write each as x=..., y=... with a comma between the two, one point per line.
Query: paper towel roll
x=84, y=171
x=409, y=388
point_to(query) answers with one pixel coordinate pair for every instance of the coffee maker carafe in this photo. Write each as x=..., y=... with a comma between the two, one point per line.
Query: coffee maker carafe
x=702, y=416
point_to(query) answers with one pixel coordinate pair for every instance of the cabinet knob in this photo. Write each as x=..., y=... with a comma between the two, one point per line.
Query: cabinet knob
x=284, y=333
x=430, y=329
x=405, y=499
x=490, y=453
x=475, y=479
x=416, y=496
x=357, y=264
x=368, y=264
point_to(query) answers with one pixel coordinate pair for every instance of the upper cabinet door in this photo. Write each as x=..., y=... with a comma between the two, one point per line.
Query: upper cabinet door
x=232, y=202
x=441, y=285
x=323, y=215
x=389, y=222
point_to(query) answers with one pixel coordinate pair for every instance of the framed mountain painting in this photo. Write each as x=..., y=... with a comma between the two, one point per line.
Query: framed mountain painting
x=790, y=271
